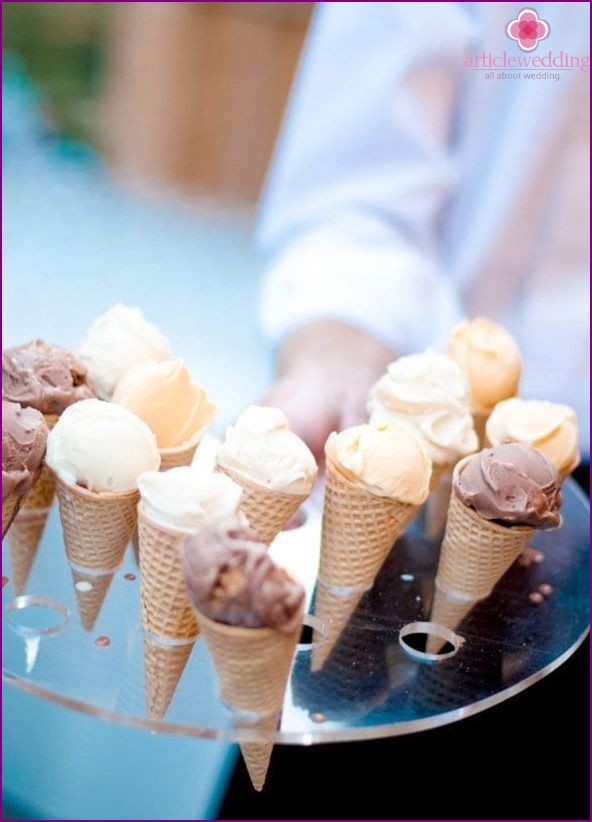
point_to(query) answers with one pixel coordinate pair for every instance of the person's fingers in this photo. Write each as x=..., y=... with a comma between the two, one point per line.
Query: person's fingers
x=310, y=411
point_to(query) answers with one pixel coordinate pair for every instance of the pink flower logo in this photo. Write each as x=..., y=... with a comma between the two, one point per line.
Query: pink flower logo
x=528, y=29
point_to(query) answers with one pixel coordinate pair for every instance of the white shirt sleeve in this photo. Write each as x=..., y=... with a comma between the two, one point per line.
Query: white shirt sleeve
x=363, y=172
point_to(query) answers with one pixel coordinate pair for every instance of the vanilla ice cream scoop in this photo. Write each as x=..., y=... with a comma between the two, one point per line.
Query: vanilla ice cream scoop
x=549, y=427
x=164, y=395
x=427, y=393
x=491, y=360
x=115, y=342
x=387, y=458
x=262, y=448
x=101, y=447
x=188, y=498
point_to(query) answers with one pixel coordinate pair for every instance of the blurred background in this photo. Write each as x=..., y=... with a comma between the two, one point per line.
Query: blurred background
x=136, y=138
x=179, y=96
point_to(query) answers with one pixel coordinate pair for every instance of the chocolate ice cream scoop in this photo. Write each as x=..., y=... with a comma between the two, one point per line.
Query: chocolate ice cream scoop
x=512, y=484
x=44, y=377
x=232, y=579
x=24, y=437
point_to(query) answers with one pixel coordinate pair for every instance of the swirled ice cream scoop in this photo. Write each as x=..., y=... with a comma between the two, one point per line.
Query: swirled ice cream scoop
x=232, y=579
x=387, y=458
x=490, y=358
x=165, y=396
x=261, y=447
x=44, y=377
x=187, y=498
x=101, y=446
x=549, y=427
x=116, y=341
x=513, y=484
x=428, y=394
x=24, y=438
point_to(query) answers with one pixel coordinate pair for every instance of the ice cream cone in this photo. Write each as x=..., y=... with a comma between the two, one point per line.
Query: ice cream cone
x=447, y=610
x=23, y=541
x=480, y=421
x=267, y=510
x=97, y=527
x=436, y=508
x=180, y=455
x=476, y=552
x=91, y=589
x=10, y=507
x=358, y=529
x=163, y=667
x=253, y=666
x=166, y=610
x=333, y=607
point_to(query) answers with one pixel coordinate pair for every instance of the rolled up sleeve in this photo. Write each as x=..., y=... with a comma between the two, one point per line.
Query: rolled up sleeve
x=351, y=214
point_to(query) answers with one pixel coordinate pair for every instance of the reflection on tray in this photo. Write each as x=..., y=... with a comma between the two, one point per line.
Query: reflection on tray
x=355, y=680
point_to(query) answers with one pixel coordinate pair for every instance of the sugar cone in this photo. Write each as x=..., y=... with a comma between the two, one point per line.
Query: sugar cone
x=181, y=455
x=163, y=667
x=10, y=507
x=447, y=610
x=38, y=502
x=359, y=529
x=436, y=508
x=267, y=510
x=334, y=608
x=24, y=538
x=97, y=527
x=252, y=666
x=476, y=552
x=91, y=589
x=479, y=422
x=166, y=609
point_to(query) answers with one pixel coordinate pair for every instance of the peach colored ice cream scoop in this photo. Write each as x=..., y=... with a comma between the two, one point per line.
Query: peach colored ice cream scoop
x=490, y=358
x=166, y=397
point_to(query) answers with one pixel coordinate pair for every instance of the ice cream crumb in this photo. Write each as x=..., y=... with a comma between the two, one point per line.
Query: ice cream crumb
x=318, y=717
x=546, y=589
x=83, y=586
x=535, y=598
x=130, y=577
x=102, y=641
x=407, y=577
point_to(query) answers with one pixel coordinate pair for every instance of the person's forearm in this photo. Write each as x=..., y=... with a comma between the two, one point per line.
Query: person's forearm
x=334, y=348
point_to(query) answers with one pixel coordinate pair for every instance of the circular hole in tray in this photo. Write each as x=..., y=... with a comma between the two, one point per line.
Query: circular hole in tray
x=428, y=641
x=35, y=615
x=311, y=625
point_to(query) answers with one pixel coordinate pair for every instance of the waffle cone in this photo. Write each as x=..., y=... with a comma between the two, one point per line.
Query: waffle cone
x=90, y=600
x=42, y=494
x=179, y=456
x=166, y=609
x=475, y=552
x=479, y=422
x=334, y=608
x=163, y=668
x=23, y=541
x=436, y=508
x=359, y=529
x=252, y=666
x=97, y=526
x=266, y=510
x=10, y=507
x=257, y=755
x=449, y=611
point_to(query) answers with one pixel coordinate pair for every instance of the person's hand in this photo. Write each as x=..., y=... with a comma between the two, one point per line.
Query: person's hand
x=325, y=370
